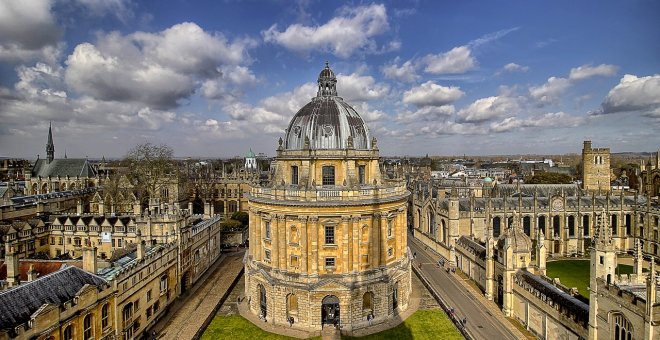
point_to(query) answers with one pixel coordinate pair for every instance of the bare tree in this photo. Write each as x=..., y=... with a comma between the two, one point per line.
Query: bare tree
x=150, y=168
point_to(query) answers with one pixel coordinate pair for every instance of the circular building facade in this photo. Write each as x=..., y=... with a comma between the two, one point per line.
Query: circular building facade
x=328, y=242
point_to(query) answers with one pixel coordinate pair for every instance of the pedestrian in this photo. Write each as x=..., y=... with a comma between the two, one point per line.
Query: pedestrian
x=414, y=255
x=370, y=317
x=464, y=321
x=453, y=270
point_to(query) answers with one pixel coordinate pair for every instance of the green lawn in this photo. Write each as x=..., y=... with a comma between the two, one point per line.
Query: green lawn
x=424, y=324
x=235, y=327
x=575, y=273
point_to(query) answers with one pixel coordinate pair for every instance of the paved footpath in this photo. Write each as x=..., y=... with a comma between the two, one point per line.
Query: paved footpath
x=189, y=315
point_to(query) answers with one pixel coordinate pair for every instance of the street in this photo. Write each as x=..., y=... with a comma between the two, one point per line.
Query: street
x=481, y=323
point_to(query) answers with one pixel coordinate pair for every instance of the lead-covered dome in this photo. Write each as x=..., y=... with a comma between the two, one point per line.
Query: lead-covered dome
x=327, y=122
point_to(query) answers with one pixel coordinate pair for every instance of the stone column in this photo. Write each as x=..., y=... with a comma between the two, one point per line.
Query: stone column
x=314, y=220
x=304, y=247
x=355, y=248
x=282, y=244
x=374, y=244
x=345, y=236
x=274, y=245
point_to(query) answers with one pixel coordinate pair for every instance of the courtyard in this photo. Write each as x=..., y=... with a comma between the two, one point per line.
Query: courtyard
x=575, y=273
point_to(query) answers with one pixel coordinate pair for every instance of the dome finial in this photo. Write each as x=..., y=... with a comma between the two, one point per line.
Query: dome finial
x=327, y=82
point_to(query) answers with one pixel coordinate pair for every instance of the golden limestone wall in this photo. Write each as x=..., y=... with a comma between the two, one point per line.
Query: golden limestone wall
x=595, y=168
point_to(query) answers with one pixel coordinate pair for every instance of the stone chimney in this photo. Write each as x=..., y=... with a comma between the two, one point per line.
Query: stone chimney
x=140, y=246
x=89, y=259
x=11, y=261
x=32, y=274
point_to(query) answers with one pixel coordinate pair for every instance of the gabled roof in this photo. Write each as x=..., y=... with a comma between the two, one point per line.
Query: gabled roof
x=63, y=167
x=18, y=304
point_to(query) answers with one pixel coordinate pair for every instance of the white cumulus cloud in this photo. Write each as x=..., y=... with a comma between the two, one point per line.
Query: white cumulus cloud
x=432, y=94
x=457, y=60
x=588, y=71
x=28, y=30
x=513, y=67
x=550, y=119
x=550, y=91
x=405, y=72
x=352, y=30
x=634, y=93
x=488, y=108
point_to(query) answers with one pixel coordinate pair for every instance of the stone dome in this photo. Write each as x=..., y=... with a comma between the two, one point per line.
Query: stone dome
x=517, y=238
x=327, y=122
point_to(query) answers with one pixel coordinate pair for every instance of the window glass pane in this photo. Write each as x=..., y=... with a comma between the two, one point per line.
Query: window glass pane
x=328, y=175
x=294, y=175
x=329, y=235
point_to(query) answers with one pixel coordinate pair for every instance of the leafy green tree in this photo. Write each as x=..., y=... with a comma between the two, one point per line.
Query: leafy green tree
x=231, y=224
x=242, y=217
x=549, y=178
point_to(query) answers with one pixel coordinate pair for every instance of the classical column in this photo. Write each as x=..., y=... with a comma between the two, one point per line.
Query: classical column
x=274, y=239
x=282, y=242
x=304, y=247
x=345, y=236
x=314, y=220
x=375, y=245
x=355, y=248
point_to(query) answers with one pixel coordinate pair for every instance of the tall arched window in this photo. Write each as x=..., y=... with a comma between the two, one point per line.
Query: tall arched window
x=87, y=327
x=571, y=226
x=556, y=225
x=527, y=225
x=497, y=226
x=68, y=333
x=622, y=328
x=104, y=316
x=368, y=302
x=292, y=304
x=615, y=224
x=542, y=224
x=585, y=225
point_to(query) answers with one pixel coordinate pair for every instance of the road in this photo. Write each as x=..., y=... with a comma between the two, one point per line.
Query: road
x=481, y=323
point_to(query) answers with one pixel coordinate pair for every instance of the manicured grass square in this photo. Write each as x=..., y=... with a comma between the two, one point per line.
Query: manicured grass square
x=575, y=273
x=422, y=325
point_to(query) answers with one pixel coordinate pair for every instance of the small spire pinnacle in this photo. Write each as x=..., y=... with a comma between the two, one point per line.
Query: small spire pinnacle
x=50, y=147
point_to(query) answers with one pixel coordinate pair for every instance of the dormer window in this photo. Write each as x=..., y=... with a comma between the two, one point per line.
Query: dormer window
x=294, y=174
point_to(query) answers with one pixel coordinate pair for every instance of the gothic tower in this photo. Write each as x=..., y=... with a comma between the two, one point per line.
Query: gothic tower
x=595, y=168
x=603, y=266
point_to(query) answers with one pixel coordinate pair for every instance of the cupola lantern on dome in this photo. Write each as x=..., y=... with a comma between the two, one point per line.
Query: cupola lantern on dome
x=327, y=121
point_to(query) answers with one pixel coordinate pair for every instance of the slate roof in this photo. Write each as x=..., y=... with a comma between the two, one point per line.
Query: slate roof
x=63, y=167
x=43, y=267
x=542, y=190
x=18, y=304
x=557, y=295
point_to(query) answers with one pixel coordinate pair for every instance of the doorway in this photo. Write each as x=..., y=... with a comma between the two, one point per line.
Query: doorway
x=330, y=310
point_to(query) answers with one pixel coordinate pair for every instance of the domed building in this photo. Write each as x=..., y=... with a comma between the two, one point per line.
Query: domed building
x=328, y=242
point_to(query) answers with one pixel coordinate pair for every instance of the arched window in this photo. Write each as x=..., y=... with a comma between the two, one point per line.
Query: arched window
x=368, y=302
x=365, y=233
x=542, y=224
x=585, y=225
x=87, y=327
x=293, y=235
x=292, y=304
x=68, y=333
x=104, y=316
x=497, y=226
x=622, y=328
x=571, y=226
x=628, y=224
x=614, y=223
x=527, y=225
x=390, y=224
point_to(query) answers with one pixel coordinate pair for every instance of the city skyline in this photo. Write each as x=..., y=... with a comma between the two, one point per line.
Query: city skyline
x=216, y=79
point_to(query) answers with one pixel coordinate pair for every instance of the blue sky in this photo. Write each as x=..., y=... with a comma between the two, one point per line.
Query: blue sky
x=215, y=78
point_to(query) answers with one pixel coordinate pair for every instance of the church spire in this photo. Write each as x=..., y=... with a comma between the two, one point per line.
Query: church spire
x=50, y=147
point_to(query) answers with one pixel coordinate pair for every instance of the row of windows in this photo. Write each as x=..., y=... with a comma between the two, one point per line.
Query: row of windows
x=328, y=174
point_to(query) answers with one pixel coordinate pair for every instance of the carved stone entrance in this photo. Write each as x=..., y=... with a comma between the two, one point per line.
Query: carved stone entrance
x=330, y=310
